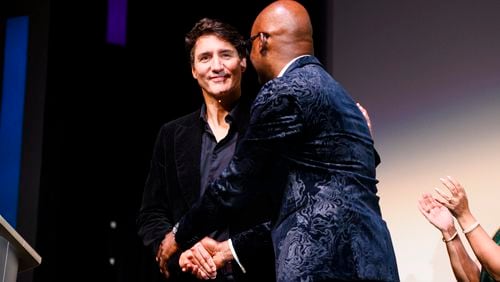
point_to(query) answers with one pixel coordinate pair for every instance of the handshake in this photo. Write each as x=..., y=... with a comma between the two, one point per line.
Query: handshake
x=202, y=260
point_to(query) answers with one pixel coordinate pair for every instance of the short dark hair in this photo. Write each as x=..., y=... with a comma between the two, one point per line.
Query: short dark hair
x=218, y=28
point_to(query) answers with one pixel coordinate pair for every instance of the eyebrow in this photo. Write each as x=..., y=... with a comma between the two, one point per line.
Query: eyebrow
x=221, y=51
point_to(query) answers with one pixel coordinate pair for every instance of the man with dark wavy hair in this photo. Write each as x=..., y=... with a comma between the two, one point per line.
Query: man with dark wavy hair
x=192, y=150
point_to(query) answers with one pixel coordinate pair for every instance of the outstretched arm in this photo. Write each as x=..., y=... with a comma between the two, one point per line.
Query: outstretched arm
x=275, y=120
x=485, y=249
x=251, y=251
x=464, y=268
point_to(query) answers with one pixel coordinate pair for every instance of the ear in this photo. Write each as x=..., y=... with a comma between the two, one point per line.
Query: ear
x=193, y=72
x=262, y=44
x=243, y=64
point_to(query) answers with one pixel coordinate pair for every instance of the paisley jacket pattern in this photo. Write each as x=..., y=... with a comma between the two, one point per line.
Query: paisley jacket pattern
x=327, y=222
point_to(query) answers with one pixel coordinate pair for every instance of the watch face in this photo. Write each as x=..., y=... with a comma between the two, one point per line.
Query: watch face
x=174, y=229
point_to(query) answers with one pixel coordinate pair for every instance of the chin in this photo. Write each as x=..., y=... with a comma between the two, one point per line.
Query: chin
x=219, y=91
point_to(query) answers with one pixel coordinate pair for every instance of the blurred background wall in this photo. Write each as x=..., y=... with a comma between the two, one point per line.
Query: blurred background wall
x=429, y=74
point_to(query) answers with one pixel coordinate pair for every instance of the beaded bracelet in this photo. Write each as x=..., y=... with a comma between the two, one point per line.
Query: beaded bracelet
x=471, y=227
x=451, y=238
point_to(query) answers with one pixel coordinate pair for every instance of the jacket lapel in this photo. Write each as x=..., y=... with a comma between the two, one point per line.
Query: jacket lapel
x=187, y=158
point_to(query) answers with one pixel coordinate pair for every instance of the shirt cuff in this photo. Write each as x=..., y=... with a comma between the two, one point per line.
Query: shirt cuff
x=235, y=256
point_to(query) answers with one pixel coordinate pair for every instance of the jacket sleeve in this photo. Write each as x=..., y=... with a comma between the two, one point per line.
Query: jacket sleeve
x=153, y=220
x=275, y=120
x=254, y=247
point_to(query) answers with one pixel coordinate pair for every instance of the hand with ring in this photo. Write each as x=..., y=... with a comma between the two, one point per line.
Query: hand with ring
x=457, y=201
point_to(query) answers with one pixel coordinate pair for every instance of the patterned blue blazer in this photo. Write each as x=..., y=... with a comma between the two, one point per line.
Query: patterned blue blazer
x=327, y=219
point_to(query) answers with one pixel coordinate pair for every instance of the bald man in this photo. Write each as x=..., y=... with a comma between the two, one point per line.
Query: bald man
x=327, y=224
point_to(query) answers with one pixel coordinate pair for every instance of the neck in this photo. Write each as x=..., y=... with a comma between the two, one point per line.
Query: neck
x=217, y=110
x=216, y=113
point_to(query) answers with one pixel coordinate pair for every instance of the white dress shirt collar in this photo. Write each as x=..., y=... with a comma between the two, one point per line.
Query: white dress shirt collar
x=283, y=70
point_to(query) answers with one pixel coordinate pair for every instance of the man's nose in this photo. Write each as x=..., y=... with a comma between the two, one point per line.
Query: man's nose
x=217, y=64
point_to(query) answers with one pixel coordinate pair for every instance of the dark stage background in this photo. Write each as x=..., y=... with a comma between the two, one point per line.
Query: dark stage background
x=99, y=107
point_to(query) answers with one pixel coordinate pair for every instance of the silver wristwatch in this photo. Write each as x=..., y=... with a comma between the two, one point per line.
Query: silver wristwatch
x=174, y=229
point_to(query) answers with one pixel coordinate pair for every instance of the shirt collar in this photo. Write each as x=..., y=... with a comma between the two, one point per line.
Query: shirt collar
x=285, y=68
x=233, y=115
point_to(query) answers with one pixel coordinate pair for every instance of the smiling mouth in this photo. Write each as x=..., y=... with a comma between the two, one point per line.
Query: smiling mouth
x=218, y=79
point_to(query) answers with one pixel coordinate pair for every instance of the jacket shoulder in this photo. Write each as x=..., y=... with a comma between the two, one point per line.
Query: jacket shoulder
x=184, y=121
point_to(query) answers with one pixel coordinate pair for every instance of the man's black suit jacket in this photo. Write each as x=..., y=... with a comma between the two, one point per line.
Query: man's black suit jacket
x=173, y=186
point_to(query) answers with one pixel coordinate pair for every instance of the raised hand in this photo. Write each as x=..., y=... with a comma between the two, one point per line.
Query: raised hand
x=437, y=214
x=455, y=198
